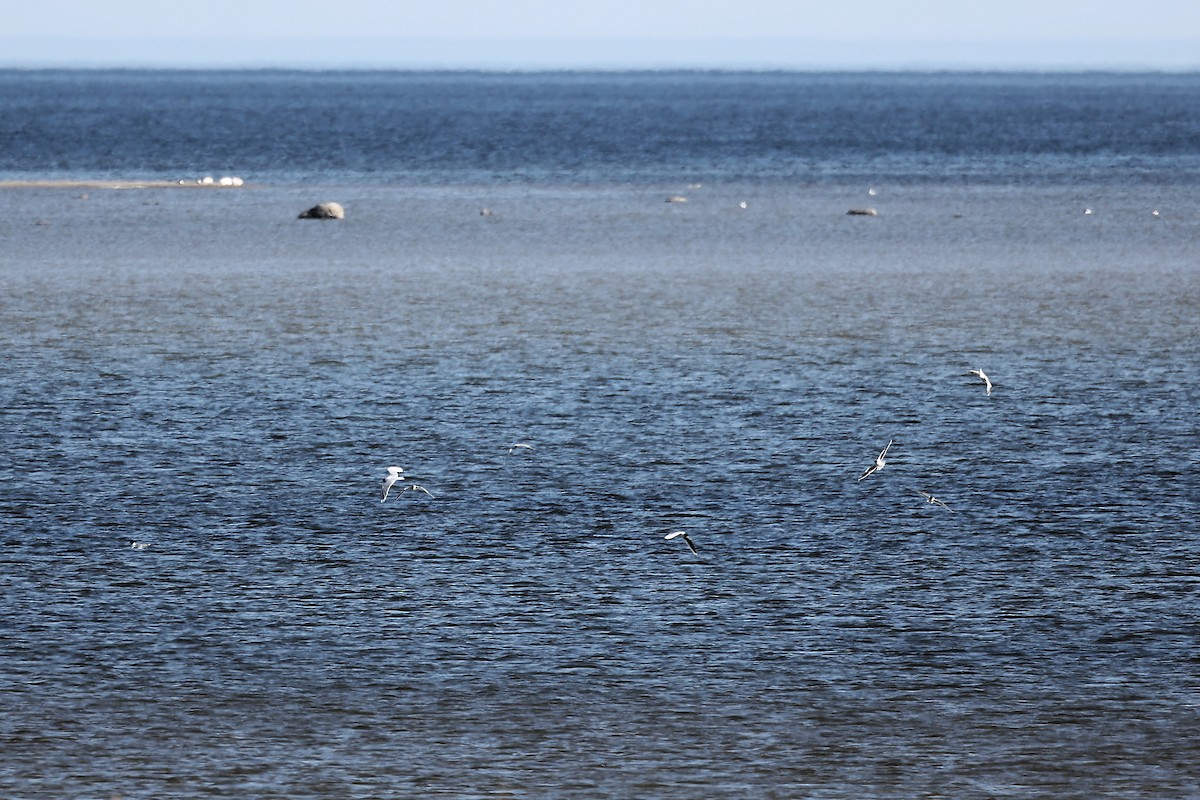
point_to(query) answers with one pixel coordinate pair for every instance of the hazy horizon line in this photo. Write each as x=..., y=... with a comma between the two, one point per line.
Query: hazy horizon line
x=599, y=54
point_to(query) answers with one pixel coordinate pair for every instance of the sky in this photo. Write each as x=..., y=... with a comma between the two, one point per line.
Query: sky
x=605, y=34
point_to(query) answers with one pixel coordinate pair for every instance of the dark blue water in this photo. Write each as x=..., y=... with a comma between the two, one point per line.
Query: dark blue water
x=600, y=128
x=199, y=371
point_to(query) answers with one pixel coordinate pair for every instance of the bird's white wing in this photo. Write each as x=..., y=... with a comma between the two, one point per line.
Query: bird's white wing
x=386, y=487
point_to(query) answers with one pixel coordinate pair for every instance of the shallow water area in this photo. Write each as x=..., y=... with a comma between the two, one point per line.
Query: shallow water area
x=202, y=372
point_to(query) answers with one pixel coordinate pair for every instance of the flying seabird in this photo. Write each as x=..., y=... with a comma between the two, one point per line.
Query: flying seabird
x=139, y=545
x=933, y=500
x=519, y=446
x=686, y=539
x=394, y=474
x=879, y=462
x=416, y=487
x=983, y=377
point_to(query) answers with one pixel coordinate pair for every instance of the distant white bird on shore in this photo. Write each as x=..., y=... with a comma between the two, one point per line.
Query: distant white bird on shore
x=686, y=539
x=519, y=446
x=933, y=500
x=394, y=474
x=979, y=373
x=879, y=462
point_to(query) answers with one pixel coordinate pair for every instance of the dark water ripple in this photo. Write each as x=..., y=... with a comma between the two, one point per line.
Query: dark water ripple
x=232, y=398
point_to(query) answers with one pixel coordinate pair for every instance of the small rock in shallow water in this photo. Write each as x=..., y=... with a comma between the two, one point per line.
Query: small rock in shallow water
x=324, y=211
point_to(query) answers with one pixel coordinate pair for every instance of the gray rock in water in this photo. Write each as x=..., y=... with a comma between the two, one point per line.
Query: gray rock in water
x=863, y=212
x=325, y=211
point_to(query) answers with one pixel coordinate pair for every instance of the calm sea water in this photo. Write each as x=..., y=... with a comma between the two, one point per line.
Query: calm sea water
x=200, y=371
x=434, y=128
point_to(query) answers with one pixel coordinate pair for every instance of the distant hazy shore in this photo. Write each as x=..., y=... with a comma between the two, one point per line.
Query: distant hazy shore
x=67, y=184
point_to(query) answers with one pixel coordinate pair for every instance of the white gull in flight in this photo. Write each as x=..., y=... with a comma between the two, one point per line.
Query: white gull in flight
x=394, y=474
x=933, y=500
x=979, y=373
x=686, y=539
x=879, y=462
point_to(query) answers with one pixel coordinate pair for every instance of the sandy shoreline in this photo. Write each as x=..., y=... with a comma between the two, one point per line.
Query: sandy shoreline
x=112, y=185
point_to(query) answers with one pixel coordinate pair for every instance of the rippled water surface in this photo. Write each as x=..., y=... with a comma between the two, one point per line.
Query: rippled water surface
x=567, y=128
x=202, y=372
